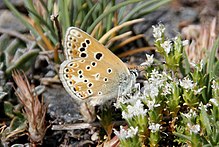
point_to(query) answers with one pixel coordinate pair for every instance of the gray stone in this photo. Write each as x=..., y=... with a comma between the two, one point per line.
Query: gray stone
x=9, y=21
x=16, y=3
x=61, y=106
x=169, y=17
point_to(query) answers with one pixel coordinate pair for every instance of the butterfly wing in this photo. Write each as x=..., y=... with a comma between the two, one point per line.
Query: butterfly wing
x=91, y=71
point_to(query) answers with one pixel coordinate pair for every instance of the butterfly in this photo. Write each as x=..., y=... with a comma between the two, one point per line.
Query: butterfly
x=91, y=72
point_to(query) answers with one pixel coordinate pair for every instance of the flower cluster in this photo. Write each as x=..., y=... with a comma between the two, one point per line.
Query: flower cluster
x=134, y=110
x=177, y=96
x=126, y=133
x=158, y=31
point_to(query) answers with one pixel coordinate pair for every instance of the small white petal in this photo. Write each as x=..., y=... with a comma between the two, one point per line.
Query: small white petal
x=167, y=46
x=193, y=128
x=185, y=42
x=187, y=83
x=154, y=127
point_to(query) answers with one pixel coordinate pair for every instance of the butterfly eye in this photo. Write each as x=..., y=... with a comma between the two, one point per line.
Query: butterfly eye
x=100, y=93
x=98, y=56
x=70, y=83
x=80, y=76
x=83, y=55
x=66, y=76
x=89, y=85
x=69, y=51
x=73, y=89
x=75, y=40
x=105, y=79
x=79, y=35
x=79, y=95
x=85, y=80
x=69, y=45
x=87, y=41
x=66, y=70
x=89, y=91
x=88, y=67
x=70, y=38
x=81, y=49
x=80, y=72
x=75, y=65
x=109, y=70
x=93, y=63
x=83, y=44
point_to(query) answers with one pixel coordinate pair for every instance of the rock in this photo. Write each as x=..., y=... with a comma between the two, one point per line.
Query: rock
x=61, y=106
x=9, y=21
x=169, y=17
x=16, y=3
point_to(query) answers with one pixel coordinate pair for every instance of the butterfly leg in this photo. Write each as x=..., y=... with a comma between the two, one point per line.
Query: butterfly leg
x=88, y=112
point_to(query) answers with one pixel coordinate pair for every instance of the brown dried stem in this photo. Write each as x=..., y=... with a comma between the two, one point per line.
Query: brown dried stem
x=34, y=110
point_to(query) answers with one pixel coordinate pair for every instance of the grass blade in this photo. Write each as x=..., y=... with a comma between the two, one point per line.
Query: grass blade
x=114, y=8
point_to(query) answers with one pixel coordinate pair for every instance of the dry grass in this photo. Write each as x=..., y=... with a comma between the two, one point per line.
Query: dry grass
x=34, y=110
x=202, y=38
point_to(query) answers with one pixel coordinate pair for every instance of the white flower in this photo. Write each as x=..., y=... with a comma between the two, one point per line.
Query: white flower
x=215, y=85
x=167, y=89
x=199, y=90
x=154, y=91
x=149, y=61
x=120, y=100
x=185, y=42
x=125, y=134
x=158, y=30
x=205, y=106
x=154, y=127
x=199, y=66
x=187, y=83
x=131, y=132
x=166, y=46
x=190, y=114
x=136, y=110
x=157, y=79
x=151, y=104
x=150, y=90
x=121, y=134
x=155, y=83
x=193, y=128
x=214, y=101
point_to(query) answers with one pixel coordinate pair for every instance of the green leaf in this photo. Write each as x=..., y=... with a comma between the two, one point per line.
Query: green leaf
x=216, y=69
x=182, y=136
x=205, y=120
x=83, y=24
x=22, y=60
x=64, y=13
x=8, y=109
x=18, y=123
x=211, y=61
x=147, y=6
x=114, y=8
x=184, y=65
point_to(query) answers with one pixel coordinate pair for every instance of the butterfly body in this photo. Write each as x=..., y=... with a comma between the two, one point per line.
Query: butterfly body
x=91, y=72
